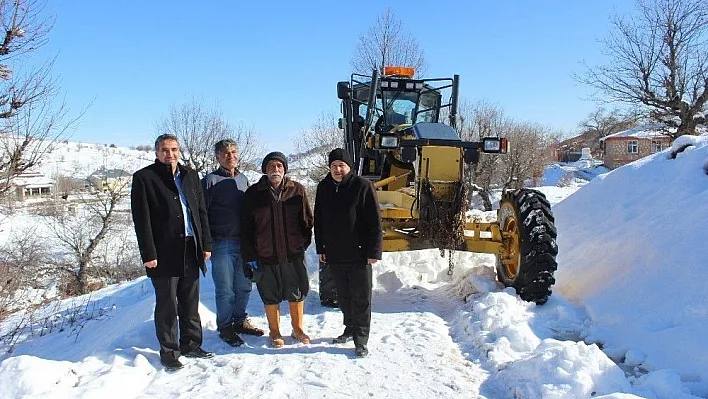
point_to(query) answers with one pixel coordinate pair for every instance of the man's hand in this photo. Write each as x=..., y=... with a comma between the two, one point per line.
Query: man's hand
x=372, y=261
x=323, y=258
x=150, y=264
x=207, y=255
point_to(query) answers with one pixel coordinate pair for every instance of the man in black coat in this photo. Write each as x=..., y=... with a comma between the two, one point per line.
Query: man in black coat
x=349, y=237
x=174, y=241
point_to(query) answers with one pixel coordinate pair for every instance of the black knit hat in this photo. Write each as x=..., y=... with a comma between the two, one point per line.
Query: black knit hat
x=340, y=154
x=275, y=155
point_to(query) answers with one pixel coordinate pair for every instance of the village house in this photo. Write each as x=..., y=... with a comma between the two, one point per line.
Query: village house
x=32, y=185
x=571, y=150
x=632, y=144
x=110, y=179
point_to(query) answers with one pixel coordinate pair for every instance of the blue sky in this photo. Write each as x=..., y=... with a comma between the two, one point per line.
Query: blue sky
x=274, y=66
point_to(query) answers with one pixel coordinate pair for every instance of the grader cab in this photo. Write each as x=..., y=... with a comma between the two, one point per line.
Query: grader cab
x=392, y=128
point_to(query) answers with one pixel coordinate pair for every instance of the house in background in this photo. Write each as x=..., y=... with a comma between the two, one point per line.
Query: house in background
x=629, y=145
x=110, y=179
x=571, y=150
x=32, y=185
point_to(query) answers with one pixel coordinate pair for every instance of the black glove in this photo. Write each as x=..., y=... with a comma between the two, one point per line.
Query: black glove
x=252, y=271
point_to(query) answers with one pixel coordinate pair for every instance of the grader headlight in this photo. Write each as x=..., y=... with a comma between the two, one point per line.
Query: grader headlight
x=387, y=141
x=495, y=145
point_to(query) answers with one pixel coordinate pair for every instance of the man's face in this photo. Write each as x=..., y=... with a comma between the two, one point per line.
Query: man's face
x=275, y=171
x=339, y=169
x=228, y=158
x=168, y=152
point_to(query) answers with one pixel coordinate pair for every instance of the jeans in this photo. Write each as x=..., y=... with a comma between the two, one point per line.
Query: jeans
x=232, y=288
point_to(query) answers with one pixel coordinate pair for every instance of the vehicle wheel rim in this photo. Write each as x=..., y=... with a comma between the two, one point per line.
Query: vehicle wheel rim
x=511, y=265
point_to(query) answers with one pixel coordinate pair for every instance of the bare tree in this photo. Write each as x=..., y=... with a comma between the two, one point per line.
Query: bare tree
x=659, y=59
x=313, y=146
x=386, y=43
x=528, y=155
x=82, y=226
x=474, y=123
x=250, y=148
x=199, y=128
x=601, y=123
x=604, y=122
x=30, y=133
x=20, y=262
x=32, y=121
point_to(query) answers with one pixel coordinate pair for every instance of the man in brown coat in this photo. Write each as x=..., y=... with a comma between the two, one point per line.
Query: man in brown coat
x=275, y=231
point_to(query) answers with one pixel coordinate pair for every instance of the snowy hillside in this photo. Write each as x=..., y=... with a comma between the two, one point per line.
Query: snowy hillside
x=626, y=319
x=79, y=160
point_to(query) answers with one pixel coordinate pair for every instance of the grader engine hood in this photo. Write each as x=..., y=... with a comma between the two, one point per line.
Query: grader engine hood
x=432, y=204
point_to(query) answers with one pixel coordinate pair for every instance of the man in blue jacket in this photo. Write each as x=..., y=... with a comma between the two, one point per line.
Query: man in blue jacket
x=223, y=193
x=349, y=237
x=174, y=241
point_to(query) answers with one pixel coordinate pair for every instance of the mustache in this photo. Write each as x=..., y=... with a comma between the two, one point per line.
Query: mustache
x=274, y=174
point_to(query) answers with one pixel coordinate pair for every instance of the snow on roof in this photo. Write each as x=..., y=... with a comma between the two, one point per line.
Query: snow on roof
x=110, y=173
x=647, y=131
x=33, y=180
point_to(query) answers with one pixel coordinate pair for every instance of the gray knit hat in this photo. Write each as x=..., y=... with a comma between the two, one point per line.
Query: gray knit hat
x=275, y=155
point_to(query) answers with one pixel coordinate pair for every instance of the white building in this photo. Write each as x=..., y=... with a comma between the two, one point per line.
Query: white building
x=32, y=185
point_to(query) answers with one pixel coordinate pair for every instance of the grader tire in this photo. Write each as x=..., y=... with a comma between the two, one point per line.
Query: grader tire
x=530, y=260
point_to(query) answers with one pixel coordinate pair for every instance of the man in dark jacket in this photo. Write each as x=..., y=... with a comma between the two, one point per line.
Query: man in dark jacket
x=276, y=229
x=349, y=237
x=174, y=241
x=223, y=193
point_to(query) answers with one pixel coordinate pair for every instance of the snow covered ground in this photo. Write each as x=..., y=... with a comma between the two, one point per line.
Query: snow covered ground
x=626, y=319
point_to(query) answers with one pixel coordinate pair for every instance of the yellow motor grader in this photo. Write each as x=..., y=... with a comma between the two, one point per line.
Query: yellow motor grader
x=392, y=128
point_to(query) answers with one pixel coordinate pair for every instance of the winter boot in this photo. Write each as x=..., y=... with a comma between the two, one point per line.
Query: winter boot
x=361, y=351
x=297, y=311
x=229, y=335
x=245, y=327
x=273, y=316
x=360, y=342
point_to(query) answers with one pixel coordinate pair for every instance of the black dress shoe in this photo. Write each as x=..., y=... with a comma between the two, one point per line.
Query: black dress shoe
x=361, y=351
x=199, y=353
x=343, y=339
x=171, y=365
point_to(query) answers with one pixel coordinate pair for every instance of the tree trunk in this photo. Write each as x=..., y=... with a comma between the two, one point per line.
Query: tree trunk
x=688, y=126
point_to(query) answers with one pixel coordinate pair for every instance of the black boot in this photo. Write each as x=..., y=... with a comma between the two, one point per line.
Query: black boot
x=361, y=351
x=171, y=364
x=228, y=334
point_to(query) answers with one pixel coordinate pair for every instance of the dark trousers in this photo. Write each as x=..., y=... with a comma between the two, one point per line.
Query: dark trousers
x=177, y=298
x=354, y=294
x=284, y=282
x=328, y=286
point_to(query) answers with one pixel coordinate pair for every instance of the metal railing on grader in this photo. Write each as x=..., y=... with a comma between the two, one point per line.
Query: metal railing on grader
x=392, y=129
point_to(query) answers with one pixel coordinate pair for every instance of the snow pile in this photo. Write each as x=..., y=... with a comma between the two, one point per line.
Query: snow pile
x=632, y=251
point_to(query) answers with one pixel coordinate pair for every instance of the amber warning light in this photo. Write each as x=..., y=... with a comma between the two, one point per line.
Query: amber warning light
x=407, y=72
